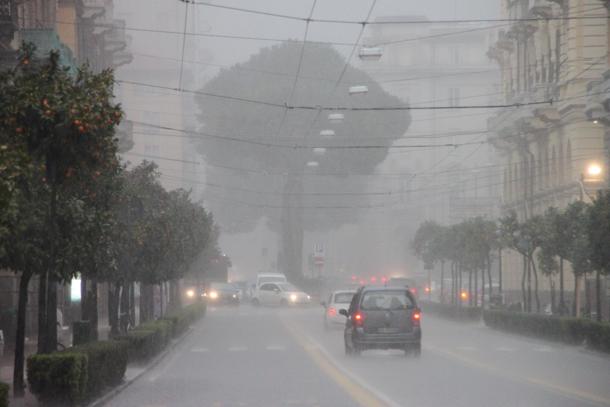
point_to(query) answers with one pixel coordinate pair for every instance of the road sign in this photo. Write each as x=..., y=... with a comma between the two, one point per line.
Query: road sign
x=319, y=254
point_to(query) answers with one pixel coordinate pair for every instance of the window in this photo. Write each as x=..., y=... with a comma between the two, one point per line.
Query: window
x=386, y=300
x=269, y=287
x=343, y=298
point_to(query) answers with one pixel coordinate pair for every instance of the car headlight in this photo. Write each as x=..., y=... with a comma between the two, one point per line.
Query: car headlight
x=213, y=295
x=234, y=295
x=190, y=293
x=293, y=297
x=309, y=297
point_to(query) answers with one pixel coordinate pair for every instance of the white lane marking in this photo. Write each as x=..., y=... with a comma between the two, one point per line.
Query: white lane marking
x=199, y=350
x=276, y=348
x=466, y=348
x=238, y=349
x=505, y=349
x=544, y=349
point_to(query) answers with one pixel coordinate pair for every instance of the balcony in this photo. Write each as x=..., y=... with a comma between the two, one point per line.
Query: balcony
x=8, y=23
x=47, y=40
x=598, y=99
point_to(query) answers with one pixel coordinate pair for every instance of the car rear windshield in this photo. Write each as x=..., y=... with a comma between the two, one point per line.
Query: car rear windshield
x=386, y=300
x=343, y=298
x=271, y=279
x=288, y=287
x=222, y=286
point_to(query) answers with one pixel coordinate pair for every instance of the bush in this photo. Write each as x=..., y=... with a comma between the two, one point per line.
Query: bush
x=182, y=319
x=4, y=389
x=142, y=344
x=451, y=311
x=58, y=377
x=106, y=363
x=563, y=329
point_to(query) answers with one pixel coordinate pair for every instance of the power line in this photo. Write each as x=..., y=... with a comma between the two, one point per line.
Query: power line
x=339, y=108
x=385, y=22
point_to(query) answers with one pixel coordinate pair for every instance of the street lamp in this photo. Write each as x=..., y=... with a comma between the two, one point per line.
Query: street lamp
x=593, y=175
x=370, y=53
x=313, y=164
x=358, y=89
x=319, y=151
x=336, y=117
x=327, y=133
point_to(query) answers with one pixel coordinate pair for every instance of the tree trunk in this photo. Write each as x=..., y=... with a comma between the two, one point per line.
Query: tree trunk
x=529, y=286
x=124, y=311
x=562, y=303
x=553, y=303
x=132, y=303
x=42, y=312
x=483, y=287
x=113, y=308
x=489, y=274
x=535, y=270
x=470, y=288
x=475, y=300
x=92, y=311
x=459, y=291
x=442, y=297
x=18, y=367
x=588, y=300
x=52, y=322
x=598, y=296
x=500, y=270
x=161, y=299
x=576, y=306
x=523, y=292
x=84, y=297
x=453, y=283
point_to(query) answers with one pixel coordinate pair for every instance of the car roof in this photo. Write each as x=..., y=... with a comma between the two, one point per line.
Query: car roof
x=344, y=292
x=384, y=288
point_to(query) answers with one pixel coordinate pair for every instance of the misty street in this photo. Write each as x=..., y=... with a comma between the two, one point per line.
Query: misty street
x=250, y=356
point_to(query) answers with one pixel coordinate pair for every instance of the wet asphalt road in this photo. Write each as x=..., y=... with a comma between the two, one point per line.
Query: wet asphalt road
x=283, y=357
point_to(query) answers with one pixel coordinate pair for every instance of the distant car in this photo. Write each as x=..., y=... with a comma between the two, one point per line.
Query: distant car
x=337, y=301
x=262, y=278
x=405, y=282
x=283, y=294
x=382, y=318
x=222, y=293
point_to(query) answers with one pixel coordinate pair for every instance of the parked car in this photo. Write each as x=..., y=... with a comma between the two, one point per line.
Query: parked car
x=222, y=293
x=337, y=301
x=279, y=294
x=383, y=318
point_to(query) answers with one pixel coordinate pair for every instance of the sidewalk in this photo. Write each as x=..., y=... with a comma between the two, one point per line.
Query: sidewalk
x=6, y=376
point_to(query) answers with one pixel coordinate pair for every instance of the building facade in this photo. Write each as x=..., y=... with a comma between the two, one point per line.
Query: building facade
x=551, y=142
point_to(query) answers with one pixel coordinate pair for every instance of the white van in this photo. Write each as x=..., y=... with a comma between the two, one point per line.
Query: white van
x=263, y=278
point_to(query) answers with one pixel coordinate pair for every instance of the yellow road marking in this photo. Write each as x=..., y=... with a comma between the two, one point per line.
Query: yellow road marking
x=550, y=387
x=356, y=391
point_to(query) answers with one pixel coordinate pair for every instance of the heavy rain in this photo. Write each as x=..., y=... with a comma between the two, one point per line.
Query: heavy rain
x=304, y=203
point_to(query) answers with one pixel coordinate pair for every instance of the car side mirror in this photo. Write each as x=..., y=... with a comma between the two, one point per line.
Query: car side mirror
x=323, y=303
x=343, y=312
x=276, y=290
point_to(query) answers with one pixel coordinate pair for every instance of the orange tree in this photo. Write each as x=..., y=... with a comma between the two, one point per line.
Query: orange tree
x=63, y=127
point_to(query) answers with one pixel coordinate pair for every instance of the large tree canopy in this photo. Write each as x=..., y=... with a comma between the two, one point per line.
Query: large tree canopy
x=256, y=179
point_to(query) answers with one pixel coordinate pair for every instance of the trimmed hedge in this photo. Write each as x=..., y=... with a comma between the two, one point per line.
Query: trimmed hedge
x=58, y=377
x=4, y=389
x=451, y=311
x=564, y=329
x=150, y=338
x=106, y=364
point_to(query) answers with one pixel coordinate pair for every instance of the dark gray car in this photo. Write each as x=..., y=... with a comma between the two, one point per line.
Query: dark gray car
x=383, y=318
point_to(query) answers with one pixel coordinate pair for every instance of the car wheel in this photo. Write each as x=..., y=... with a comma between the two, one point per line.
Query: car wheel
x=326, y=327
x=256, y=302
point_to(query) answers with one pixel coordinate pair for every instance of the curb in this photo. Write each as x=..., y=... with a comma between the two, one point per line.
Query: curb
x=101, y=401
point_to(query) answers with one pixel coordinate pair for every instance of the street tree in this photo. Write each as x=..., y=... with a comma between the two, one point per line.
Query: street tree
x=598, y=234
x=63, y=124
x=260, y=152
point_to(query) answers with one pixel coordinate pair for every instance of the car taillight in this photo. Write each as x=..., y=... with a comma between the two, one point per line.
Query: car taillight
x=358, y=319
x=332, y=311
x=414, y=291
x=416, y=317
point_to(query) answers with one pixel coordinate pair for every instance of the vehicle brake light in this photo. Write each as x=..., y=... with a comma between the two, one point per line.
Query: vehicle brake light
x=373, y=279
x=332, y=312
x=416, y=317
x=358, y=318
x=414, y=290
